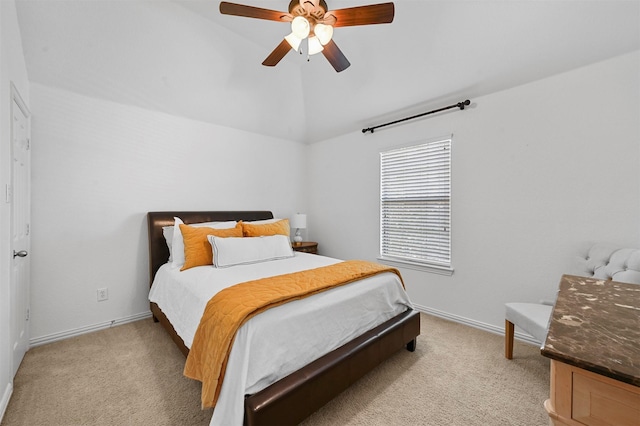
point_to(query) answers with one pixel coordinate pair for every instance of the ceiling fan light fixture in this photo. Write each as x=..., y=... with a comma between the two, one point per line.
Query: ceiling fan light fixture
x=314, y=45
x=300, y=27
x=293, y=41
x=324, y=33
x=312, y=19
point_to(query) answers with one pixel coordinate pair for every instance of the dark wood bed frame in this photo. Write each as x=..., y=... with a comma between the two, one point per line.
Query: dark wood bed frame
x=295, y=397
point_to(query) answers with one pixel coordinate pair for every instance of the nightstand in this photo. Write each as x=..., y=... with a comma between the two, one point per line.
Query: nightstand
x=306, y=247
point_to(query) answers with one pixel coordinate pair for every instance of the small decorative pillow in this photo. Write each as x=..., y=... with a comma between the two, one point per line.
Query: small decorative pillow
x=280, y=227
x=243, y=251
x=197, y=250
x=176, y=249
x=167, y=233
x=263, y=221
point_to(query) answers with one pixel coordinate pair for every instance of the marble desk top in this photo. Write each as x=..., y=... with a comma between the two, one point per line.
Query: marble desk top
x=595, y=325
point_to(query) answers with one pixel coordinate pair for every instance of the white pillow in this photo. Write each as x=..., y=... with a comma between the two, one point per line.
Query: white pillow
x=177, y=243
x=241, y=251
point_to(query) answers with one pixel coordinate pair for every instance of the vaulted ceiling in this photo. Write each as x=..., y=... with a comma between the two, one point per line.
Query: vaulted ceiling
x=184, y=58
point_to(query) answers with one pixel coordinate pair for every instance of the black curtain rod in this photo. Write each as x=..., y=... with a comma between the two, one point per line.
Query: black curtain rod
x=460, y=105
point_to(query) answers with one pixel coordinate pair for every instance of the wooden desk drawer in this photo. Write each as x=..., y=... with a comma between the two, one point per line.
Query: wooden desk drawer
x=600, y=401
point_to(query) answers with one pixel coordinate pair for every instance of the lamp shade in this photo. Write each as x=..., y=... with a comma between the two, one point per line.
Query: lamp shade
x=300, y=27
x=314, y=45
x=299, y=221
x=324, y=33
x=293, y=41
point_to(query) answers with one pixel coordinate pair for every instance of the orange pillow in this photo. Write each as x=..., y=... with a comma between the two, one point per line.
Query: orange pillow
x=197, y=250
x=280, y=227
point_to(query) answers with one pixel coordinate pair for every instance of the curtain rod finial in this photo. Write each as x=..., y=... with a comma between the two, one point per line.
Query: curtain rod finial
x=461, y=105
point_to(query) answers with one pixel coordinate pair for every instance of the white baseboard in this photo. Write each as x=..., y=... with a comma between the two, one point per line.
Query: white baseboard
x=4, y=402
x=523, y=337
x=50, y=338
x=37, y=341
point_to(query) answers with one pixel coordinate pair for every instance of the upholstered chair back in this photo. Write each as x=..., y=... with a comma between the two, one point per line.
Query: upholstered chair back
x=609, y=262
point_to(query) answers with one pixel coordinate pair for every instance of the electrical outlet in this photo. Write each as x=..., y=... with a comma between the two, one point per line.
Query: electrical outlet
x=103, y=294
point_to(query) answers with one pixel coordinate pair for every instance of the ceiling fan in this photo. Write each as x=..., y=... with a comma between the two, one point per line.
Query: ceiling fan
x=312, y=20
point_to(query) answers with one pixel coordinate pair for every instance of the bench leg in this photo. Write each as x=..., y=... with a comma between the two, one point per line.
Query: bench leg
x=508, y=339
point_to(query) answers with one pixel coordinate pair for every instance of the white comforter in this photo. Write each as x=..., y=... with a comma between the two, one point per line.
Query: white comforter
x=283, y=339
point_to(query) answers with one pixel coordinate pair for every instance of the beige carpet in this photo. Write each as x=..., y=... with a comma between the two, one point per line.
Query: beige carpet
x=132, y=375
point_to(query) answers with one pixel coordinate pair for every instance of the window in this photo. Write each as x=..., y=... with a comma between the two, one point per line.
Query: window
x=415, y=205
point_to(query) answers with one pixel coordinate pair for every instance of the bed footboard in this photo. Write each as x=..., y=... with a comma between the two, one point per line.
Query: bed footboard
x=295, y=397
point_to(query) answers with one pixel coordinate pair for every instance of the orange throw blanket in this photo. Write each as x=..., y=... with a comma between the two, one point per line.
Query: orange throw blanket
x=230, y=308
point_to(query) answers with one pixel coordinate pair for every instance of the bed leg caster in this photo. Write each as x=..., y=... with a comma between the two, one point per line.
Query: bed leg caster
x=411, y=346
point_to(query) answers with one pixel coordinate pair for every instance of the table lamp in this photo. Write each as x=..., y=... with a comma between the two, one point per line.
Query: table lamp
x=298, y=221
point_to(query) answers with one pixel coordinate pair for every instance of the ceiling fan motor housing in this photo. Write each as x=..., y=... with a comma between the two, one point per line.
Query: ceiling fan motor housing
x=308, y=9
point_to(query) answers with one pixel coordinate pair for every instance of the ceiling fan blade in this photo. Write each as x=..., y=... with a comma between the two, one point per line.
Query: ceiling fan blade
x=335, y=56
x=362, y=15
x=277, y=54
x=235, y=9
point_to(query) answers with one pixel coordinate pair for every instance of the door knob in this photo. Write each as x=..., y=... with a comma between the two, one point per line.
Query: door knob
x=21, y=253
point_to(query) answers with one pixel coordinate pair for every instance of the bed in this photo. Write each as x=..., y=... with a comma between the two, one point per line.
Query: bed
x=292, y=398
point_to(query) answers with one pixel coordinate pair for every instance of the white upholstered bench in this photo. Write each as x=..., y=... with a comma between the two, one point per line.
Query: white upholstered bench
x=602, y=261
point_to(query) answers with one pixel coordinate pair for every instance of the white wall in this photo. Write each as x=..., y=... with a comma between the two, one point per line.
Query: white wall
x=540, y=172
x=99, y=166
x=12, y=69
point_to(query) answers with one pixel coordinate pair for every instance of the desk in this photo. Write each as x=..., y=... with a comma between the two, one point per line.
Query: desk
x=594, y=346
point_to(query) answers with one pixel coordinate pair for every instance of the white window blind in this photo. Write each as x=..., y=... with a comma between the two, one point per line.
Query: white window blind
x=415, y=212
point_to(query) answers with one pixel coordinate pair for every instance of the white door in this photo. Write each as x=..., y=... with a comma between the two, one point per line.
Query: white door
x=19, y=194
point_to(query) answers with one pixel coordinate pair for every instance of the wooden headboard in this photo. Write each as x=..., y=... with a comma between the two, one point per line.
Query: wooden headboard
x=158, y=250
